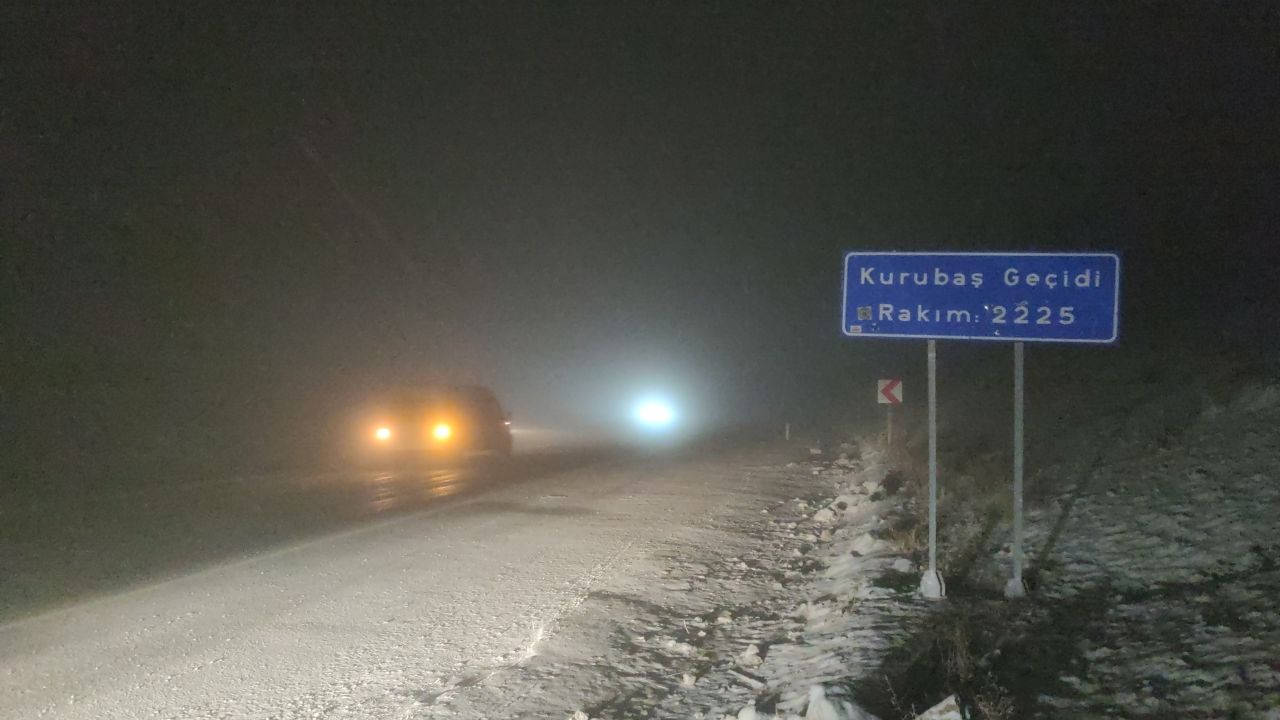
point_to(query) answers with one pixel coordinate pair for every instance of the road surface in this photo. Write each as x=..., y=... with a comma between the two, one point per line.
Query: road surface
x=61, y=546
x=438, y=580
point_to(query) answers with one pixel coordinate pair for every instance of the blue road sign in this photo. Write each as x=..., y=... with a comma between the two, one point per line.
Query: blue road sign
x=1033, y=297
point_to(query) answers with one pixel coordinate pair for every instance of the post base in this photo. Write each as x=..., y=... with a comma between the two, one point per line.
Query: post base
x=1015, y=589
x=931, y=585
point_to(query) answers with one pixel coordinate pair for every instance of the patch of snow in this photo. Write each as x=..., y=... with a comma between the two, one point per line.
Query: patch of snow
x=824, y=516
x=1259, y=397
x=1174, y=550
x=681, y=648
x=868, y=544
x=827, y=705
x=948, y=709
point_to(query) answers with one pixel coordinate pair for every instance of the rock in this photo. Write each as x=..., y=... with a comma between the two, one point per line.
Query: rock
x=848, y=501
x=867, y=544
x=681, y=648
x=903, y=565
x=750, y=657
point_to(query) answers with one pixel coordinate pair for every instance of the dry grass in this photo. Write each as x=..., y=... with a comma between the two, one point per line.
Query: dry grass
x=957, y=656
x=974, y=492
x=994, y=705
x=910, y=539
x=967, y=679
x=900, y=710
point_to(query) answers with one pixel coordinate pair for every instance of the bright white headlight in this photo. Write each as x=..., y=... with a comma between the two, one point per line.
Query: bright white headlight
x=654, y=413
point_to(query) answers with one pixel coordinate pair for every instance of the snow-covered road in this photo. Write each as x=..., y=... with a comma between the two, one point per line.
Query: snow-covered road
x=389, y=620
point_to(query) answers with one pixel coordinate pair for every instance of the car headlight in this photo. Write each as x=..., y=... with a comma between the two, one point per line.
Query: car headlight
x=654, y=414
x=382, y=434
x=442, y=431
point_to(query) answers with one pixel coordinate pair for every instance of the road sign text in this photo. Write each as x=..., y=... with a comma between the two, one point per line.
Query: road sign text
x=1047, y=297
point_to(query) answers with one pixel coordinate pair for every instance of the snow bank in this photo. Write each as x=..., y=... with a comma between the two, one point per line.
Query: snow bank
x=837, y=622
x=1167, y=571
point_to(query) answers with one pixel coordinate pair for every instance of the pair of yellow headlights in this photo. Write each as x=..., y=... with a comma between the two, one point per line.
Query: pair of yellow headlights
x=440, y=431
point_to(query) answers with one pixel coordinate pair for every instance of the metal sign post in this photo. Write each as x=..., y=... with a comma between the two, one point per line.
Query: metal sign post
x=1015, y=588
x=1003, y=297
x=888, y=430
x=931, y=585
x=889, y=392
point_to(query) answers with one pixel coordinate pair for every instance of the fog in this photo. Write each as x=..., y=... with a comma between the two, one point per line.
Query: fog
x=225, y=227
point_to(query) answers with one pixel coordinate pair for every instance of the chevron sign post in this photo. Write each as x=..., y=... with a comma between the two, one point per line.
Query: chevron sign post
x=889, y=392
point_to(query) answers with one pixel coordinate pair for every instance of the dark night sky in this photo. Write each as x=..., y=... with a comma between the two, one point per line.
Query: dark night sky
x=222, y=214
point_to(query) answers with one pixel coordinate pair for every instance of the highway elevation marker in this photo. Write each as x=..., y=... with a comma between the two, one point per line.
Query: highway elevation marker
x=1009, y=297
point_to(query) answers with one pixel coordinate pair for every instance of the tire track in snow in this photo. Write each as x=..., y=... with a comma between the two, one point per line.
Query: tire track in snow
x=544, y=629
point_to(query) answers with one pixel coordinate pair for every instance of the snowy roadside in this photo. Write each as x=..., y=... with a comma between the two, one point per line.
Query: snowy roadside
x=1164, y=578
x=1154, y=573
x=1155, y=593
x=1154, y=577
x=771, y=613
x=857, y=602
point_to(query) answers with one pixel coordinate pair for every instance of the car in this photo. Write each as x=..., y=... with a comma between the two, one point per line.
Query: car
x=444, y=421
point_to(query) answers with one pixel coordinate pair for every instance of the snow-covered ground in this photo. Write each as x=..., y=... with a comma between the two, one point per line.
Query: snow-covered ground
x=639, y=585
x=769, y=613
x=1164, y=578
x=744, y=584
